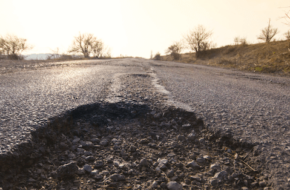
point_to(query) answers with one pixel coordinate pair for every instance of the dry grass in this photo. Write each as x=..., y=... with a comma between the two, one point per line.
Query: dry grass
x=271, y=57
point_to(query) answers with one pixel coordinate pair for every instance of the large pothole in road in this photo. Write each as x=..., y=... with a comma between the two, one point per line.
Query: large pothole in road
x=125, y=146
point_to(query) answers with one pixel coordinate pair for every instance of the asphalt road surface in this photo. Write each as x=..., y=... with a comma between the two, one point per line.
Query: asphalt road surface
x=255, y=108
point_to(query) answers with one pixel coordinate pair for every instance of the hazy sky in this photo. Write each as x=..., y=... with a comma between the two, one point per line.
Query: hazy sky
x=135, y=27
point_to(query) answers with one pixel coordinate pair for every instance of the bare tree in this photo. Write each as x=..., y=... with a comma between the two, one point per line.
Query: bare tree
x=268, y=33
x=237, y=40
x=198, y=39
x=240, y=41
x=243, y=41
x=87, y=44
x=175, y=50
x=176, y=47
x=12, y=46
x=157, y=56
x=287, y=35
x=105, y=53
x=287, y=18
x=287, y=15
x=54, y=55
x=2, y=42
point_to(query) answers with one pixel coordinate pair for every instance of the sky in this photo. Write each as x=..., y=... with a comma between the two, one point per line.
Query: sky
x=137, y=27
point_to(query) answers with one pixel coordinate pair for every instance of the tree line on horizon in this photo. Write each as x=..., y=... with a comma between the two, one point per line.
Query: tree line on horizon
x=198, y=40
x=85, y=44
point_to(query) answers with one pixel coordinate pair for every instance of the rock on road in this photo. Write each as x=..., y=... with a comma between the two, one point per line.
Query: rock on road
x=255, y=108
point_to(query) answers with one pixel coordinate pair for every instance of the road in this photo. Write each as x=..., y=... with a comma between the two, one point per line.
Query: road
x=255, y=108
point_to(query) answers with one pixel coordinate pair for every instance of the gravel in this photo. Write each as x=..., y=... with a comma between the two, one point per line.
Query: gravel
x=254, y=108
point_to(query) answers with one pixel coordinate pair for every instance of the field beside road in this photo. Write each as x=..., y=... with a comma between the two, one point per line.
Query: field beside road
x=271, y=58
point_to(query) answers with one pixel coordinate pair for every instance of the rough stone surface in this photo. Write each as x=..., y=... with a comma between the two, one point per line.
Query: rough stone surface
x=67, y=170
x=221, y=175
x=173, y=185
x=139, y=124
x=117, y=177
x=104, y=142
x=192, y=164
x=88, y=168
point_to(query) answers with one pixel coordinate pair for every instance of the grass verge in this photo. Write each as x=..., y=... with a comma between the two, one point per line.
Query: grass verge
x=271, y=58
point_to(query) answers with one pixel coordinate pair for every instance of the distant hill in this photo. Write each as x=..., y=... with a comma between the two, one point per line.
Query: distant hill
x=41, y=56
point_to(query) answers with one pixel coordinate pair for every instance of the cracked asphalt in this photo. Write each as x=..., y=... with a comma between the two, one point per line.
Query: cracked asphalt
x=255, y=108
x=29, y=98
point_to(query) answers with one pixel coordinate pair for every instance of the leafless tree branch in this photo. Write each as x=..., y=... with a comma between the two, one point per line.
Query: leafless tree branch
x=240, y=41
x=87, y=44
x=287, y=17
x=268, y=33
x=287, y=35
x=12, y=46
x=198, y=39
x=175, y=50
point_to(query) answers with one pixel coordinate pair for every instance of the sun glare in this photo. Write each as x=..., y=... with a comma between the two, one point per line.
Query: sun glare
x=132, y=27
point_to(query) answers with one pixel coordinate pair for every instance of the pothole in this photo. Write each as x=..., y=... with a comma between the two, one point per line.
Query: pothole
x=127, y=146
